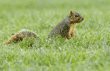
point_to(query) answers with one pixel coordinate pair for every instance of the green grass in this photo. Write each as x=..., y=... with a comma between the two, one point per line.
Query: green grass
x=88, y=51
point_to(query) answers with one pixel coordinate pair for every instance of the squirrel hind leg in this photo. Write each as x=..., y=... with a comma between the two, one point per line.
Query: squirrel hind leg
x=67, y=37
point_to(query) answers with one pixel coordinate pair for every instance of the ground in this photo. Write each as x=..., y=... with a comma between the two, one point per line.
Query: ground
x=88, y=51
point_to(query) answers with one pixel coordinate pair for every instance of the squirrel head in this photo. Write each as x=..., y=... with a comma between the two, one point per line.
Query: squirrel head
x=14, y=38
x=75, y=17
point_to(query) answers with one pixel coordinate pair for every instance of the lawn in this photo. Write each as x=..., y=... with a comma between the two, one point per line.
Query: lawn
x=88, y=51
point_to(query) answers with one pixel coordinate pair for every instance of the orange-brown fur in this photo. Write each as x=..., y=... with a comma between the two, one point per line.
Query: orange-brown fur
x=66, y=28
x=20, y=36
x=72, y=30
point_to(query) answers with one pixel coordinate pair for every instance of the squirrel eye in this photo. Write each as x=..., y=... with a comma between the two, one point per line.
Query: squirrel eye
x=76, y=15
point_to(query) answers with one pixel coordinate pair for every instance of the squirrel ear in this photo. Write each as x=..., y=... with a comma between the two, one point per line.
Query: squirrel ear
x=12, y=34
x=71, y=13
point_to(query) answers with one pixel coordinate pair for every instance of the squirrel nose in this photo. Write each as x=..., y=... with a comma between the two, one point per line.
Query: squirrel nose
x=82, y=18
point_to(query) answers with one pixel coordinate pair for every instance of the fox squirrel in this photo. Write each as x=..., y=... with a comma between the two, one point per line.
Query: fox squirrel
x=66, y=28
x=20, y=36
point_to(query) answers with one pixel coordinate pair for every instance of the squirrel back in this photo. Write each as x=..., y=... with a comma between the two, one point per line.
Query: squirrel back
x=19, y=36
x=66, y=28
